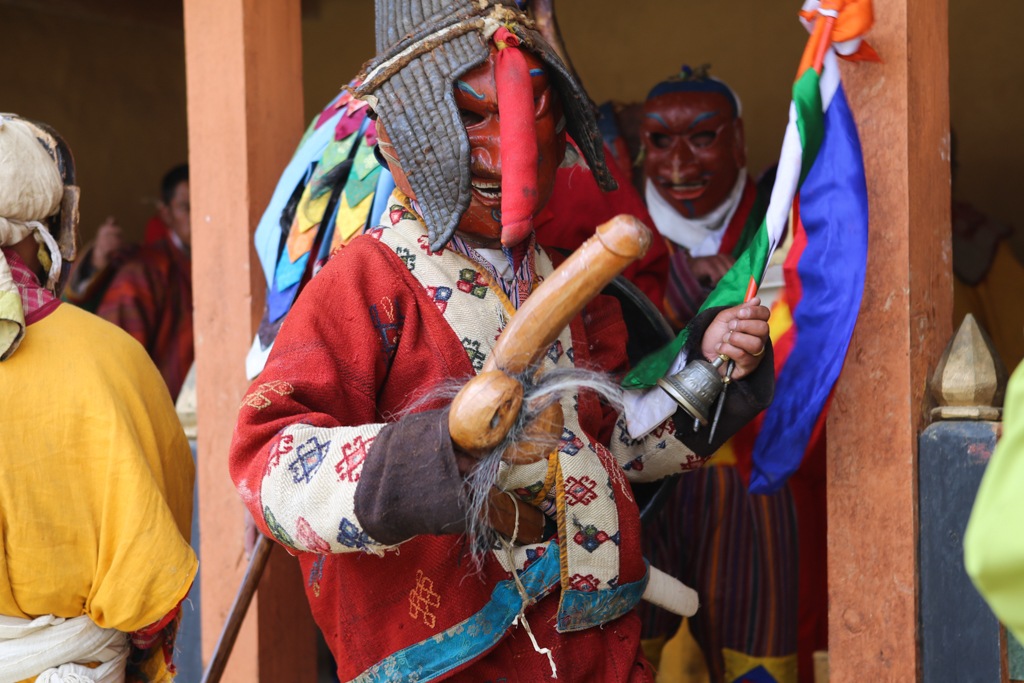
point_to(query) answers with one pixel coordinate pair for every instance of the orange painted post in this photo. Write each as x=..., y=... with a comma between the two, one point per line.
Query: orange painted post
x=902, y=110
x=245, y=117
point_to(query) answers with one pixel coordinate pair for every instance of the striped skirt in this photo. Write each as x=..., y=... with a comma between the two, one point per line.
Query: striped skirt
x=739, y=552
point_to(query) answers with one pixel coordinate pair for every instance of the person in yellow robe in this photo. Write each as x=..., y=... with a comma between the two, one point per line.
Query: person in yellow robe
x=96, y=492
x=994, y=544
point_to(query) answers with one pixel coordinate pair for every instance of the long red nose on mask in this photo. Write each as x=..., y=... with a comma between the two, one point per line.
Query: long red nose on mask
x=518, y=140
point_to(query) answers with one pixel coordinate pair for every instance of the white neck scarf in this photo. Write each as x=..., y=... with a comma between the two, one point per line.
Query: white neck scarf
x=702, y=236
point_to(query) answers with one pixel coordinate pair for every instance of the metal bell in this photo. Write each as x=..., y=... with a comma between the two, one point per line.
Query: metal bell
x=695, y=387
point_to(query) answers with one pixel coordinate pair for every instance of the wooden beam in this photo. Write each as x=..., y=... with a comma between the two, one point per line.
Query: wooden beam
x=902, y=110
x=245, y=116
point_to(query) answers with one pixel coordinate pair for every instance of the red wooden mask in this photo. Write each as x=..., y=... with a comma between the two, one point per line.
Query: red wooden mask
x=694, y=149
x=476, y=96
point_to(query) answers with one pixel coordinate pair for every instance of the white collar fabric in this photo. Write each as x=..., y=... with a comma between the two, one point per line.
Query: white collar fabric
x=702, y=236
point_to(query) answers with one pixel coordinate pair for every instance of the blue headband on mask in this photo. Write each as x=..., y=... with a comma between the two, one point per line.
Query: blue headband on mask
x=688, y=82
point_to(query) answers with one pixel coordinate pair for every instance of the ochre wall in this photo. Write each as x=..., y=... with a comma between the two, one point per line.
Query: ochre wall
x=336, y=39
x=622, y=50
x=986, y=73
x=114, y=87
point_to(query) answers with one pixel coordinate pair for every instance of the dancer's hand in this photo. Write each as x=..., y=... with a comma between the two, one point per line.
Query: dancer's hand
x=741, y=333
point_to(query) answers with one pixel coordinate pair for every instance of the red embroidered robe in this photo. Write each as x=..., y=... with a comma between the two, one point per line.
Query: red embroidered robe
x=383, y=320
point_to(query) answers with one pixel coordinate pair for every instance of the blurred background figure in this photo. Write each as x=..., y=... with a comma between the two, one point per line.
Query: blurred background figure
x=150, y=295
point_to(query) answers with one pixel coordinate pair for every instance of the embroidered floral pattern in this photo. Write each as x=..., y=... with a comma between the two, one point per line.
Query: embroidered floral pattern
x=440, y=296
x=588, y=583
x=408, y=258
x=353, y=455
x=555, y=351
x=530, y=492
x=591, y=538
x=636, y=465
x=351, y=536
x=280, y=446
x=307, y=537
x=276, y=530
x=472, y=282
x=580, y=491
x=476, y=356
x=570, y=443
x=424, y=243
x=397, y=213
x=309, y=456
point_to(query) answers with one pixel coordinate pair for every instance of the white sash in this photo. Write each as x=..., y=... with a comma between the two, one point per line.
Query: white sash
x=45, y=647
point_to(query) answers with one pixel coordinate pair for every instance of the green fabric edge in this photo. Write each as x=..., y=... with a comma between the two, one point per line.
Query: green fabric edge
x=757, y=212
x=12, y=323
x=809, y=119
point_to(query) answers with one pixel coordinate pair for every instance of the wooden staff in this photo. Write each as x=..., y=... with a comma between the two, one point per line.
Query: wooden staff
x=258, y=562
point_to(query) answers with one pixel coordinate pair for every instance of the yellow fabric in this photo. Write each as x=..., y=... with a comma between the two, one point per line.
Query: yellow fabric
x=782, y=669
x=681, y=659
x=96, y=492
x=311, y=211
x=652, y=648
x=350, y=219
x=998, y=304
x=994, y=544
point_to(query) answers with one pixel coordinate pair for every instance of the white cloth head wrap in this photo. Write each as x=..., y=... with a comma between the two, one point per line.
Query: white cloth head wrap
x=31, y=189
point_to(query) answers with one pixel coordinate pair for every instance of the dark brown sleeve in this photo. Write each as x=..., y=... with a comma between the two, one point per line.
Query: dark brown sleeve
x=745, y=399
x=410, y=483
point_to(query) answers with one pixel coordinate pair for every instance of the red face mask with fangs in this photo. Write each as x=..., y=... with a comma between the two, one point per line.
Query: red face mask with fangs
x=476, y=95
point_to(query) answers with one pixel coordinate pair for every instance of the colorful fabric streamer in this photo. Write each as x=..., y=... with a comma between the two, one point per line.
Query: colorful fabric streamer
x=821, y=160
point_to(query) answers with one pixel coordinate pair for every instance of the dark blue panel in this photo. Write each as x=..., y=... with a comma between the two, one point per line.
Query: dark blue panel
x=188, y=647
x=960, y=635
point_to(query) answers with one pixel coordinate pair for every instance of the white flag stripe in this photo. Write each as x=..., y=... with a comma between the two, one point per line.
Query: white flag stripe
x=829, y=82
x=786, y=180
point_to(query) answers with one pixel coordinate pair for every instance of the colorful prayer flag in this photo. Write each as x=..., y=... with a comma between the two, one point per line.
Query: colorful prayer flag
x=821, y=160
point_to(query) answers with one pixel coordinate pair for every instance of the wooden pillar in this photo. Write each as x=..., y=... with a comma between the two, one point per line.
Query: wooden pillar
x=245, y=117
x=902, y=110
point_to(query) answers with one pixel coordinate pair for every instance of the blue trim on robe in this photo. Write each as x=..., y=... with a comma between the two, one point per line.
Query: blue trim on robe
x=434, y=657
x=580, y=610
x=431, y=658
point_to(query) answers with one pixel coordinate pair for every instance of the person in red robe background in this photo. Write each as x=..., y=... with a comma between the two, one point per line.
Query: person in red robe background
x=150, y=295
x=737, y=550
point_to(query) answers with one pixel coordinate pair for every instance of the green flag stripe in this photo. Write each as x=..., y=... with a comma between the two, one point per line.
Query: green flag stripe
x=809, y=119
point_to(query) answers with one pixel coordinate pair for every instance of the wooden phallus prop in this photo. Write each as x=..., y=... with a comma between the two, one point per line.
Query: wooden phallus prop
x=970, y=380
x=485, y=409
